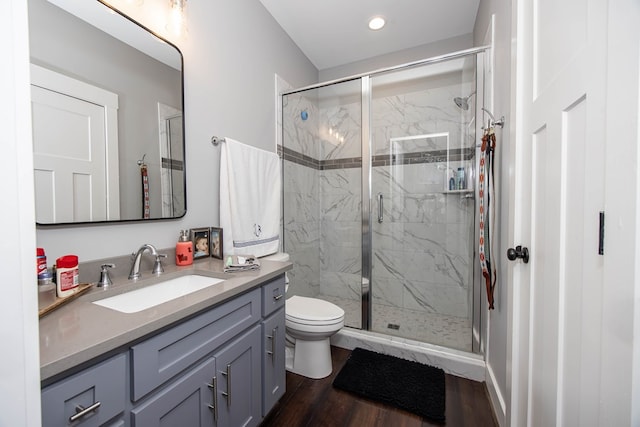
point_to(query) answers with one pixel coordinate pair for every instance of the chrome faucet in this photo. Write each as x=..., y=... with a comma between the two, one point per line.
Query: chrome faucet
x=157, y=266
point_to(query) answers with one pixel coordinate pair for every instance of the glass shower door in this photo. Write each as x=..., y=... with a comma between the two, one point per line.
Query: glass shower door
x=322, y=194
x=422, y=203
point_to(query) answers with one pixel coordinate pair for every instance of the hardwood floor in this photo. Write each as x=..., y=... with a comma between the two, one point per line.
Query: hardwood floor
x=315, y=403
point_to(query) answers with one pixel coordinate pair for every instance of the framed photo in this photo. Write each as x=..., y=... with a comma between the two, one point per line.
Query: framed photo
x=201, y=242
x=216, y=242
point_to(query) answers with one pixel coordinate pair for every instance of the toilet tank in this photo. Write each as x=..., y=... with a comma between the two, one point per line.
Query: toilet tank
x=282, y=257
x=278, y=256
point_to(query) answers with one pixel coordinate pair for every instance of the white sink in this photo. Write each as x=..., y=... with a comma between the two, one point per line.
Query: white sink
x=150, y=296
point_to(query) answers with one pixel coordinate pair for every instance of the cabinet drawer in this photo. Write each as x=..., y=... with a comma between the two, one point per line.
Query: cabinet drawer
x=273, y=295
x=165, y=355
x=103, y=385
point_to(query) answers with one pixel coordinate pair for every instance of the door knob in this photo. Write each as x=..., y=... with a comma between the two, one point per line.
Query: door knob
x=518, y=252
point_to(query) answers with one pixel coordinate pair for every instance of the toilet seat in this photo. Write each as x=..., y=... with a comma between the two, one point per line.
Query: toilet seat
x=312, y=311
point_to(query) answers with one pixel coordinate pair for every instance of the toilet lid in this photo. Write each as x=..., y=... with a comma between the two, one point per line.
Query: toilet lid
x=312, y=309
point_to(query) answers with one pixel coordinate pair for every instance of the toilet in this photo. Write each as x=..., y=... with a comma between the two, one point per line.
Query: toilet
x=309, y=324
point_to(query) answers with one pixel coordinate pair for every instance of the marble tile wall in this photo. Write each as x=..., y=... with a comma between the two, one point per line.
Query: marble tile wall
x=301, y=202
x=423, y=251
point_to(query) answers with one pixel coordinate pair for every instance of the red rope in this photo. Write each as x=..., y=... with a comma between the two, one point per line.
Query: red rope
x=485, y=192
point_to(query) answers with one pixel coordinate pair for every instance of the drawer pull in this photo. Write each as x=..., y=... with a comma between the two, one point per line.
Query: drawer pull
x=81, y=412
x=278, y=297
x=213, y=405
x=228, y=393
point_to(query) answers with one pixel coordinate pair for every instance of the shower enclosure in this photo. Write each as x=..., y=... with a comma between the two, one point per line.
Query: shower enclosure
x=379, y=197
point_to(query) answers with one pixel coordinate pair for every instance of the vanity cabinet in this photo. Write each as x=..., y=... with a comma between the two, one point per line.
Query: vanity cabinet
x=223, y=367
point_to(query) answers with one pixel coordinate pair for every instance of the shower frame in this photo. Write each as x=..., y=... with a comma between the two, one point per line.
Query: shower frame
x=366, y=147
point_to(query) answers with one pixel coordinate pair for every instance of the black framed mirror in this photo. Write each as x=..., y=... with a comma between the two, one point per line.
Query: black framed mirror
x=107, y=98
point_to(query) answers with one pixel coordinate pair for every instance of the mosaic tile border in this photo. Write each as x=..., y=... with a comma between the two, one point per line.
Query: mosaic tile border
x=434, y=156
x=172, y=164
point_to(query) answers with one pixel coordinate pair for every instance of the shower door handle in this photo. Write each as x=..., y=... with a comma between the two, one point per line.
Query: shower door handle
x=380, y=208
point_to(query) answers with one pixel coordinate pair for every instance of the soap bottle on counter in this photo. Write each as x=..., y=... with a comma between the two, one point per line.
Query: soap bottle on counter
x=67, y=279
x=184, y=249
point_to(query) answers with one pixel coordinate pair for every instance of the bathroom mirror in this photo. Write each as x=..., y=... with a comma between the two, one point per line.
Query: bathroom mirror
x=108, y=122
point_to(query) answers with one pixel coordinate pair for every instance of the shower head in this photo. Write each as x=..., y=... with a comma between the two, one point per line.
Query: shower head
x=463, y=103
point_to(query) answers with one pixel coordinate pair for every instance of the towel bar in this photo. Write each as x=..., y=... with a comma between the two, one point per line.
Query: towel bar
x=216, y=141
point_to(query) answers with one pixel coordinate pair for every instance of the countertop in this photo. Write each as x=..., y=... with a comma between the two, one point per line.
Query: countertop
x=81, y=331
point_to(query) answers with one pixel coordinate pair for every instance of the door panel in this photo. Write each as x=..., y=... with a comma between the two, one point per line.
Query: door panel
x=423, y=227
x=561, y=150
x=69, y=157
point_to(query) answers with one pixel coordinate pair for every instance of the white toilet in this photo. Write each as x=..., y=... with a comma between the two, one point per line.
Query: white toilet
x=310, y=323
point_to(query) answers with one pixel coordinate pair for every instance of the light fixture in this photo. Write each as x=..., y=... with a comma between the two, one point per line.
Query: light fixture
x=376, y=23
x=177, y=24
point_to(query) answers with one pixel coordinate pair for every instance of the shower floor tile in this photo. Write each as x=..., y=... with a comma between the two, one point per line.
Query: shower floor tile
x=447, y=331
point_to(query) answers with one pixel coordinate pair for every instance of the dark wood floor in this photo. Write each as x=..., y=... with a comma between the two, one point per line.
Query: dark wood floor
x=315, y=403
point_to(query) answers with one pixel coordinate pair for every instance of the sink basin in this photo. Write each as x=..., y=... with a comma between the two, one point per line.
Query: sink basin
x=150, y=296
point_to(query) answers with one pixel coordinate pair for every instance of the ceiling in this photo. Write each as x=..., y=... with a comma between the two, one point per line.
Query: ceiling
x=335, y=32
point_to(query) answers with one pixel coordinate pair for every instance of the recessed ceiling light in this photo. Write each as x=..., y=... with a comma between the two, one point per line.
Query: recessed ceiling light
x=376, y=23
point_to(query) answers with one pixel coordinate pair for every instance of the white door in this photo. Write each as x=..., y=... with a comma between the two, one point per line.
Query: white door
x=75, y=146
x=69, y=158
x=559, y=193
x=575, y=314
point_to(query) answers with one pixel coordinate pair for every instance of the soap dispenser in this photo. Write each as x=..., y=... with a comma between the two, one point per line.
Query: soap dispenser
x=184, y=249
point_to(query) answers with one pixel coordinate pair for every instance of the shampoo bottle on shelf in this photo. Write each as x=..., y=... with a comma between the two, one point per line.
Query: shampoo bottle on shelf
x=184, y=249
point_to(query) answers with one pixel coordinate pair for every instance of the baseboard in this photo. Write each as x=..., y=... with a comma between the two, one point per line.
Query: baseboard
x=495, y=397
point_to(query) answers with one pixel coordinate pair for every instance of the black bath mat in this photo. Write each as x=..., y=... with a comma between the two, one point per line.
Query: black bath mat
x=405, y=384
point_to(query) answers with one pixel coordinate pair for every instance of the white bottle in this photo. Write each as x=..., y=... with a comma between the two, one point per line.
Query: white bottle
x=67, y=280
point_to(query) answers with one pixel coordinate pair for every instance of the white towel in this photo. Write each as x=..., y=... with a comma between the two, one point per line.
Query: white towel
x=249, y=199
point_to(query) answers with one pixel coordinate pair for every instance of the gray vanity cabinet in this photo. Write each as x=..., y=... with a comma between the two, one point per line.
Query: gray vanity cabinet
x=223, y=367
x=93, y=397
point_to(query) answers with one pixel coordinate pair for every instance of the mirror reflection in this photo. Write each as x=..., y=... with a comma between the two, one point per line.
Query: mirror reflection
x=107, y=110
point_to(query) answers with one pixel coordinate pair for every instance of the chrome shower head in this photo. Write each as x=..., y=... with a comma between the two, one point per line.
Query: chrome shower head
x=463, y=103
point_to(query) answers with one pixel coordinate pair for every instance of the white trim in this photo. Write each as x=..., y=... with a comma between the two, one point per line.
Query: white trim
x=496, y=398
x=454, y=362
x=20, y=367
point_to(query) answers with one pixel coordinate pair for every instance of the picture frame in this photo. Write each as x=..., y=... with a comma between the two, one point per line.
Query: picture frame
x=216, y=242
x=200, y=237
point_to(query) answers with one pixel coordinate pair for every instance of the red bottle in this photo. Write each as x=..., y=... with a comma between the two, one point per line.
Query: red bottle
x=184, y=249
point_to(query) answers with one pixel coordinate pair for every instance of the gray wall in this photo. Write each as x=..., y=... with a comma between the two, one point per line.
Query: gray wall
x=496, y=354
x=233, y=50
x=400, y=57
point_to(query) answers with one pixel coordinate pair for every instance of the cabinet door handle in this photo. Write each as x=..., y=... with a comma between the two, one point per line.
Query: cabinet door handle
x=272, y=337
x=277, y=297
x=81, y=412
x=213, y=406
x=228, y=393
